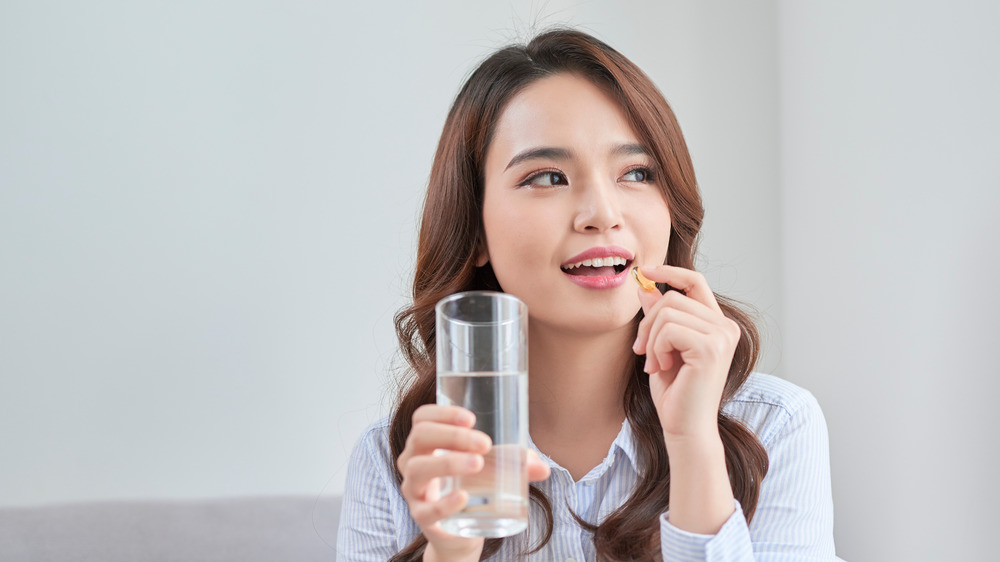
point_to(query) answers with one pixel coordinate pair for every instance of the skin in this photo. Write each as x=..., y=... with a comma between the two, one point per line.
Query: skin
x=537, y=215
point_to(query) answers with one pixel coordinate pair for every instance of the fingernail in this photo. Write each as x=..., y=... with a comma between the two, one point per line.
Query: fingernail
x=647, y=367
x=465, y=417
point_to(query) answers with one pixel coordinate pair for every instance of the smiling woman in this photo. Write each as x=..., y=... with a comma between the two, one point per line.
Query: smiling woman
x=560, y=168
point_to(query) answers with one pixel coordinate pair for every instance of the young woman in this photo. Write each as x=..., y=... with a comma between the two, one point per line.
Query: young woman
x=654, y=438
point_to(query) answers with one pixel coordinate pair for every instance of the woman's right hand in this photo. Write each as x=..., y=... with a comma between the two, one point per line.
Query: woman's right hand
x=449, y=428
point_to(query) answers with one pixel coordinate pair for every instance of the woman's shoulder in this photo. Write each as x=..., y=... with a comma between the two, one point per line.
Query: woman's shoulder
x=767, y=404
x=377, y=433
x=374, y=441
x=773, y=391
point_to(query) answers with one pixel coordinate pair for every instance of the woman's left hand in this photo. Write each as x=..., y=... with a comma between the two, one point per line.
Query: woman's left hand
x=689, y=345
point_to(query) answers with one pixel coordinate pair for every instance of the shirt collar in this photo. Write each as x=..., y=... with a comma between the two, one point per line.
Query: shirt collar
x=624, y=442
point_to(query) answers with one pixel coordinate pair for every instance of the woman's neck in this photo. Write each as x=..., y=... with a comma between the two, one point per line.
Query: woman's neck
x=576, y=384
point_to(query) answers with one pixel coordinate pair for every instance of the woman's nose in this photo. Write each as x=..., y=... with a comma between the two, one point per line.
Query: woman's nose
x=599, y=209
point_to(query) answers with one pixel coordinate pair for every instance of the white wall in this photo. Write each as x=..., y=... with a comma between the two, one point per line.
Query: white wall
x=207, y=213
x=890, y=174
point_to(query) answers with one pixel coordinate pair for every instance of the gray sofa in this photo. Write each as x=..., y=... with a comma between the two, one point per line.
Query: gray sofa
x=296, y=529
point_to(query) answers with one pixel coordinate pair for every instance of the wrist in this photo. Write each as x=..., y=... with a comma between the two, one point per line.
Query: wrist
x=701, y=456
x=701, y=496
x=697, y=457
x=703, y=442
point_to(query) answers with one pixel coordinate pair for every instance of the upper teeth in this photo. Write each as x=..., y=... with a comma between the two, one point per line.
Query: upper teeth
x=598, y=262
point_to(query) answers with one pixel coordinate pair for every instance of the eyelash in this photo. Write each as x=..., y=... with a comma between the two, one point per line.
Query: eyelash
x=650, y=177
x=531, y=179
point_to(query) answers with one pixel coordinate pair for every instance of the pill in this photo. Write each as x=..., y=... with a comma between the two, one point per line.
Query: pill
x=643, y=282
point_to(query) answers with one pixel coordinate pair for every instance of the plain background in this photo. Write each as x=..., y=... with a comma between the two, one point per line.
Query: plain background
x=208, y=209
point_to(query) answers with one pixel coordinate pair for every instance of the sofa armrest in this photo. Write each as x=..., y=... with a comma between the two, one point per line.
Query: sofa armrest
x=244, y=529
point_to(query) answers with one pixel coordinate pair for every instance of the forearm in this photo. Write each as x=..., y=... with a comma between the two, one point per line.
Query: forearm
x=701, y=497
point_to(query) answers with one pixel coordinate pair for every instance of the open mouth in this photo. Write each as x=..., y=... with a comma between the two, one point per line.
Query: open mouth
x=598, y=267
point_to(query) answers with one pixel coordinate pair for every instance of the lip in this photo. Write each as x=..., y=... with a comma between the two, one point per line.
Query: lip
x=600, y=252
x=602, y=282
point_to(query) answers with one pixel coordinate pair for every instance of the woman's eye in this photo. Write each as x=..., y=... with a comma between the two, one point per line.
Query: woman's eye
x=639, y=174
x=546, y=179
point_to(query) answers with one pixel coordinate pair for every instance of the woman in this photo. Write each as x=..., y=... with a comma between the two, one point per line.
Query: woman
x=656, y=439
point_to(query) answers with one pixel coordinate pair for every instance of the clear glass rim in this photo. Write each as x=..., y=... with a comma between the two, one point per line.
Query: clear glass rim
x=516, y=303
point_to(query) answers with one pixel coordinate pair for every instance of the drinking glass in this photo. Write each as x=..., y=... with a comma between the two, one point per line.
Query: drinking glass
x=482, y=365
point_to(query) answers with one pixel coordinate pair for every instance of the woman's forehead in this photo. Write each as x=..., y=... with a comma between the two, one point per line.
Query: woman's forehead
x=564, y=111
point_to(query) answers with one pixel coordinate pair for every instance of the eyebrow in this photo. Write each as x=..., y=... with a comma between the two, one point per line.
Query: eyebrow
x=555, y=153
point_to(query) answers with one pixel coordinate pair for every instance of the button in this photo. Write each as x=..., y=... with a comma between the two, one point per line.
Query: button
x=571, y=560
x=588, y=483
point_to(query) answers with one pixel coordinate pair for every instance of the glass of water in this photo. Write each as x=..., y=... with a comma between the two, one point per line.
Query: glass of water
x=482, y=365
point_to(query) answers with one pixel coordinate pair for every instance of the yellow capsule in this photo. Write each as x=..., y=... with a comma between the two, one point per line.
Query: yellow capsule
x=643, y=282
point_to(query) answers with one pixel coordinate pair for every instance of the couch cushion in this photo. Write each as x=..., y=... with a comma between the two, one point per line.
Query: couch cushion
x=245, y=529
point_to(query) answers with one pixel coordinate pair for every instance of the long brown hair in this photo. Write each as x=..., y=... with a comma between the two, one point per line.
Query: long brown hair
x=451, y=233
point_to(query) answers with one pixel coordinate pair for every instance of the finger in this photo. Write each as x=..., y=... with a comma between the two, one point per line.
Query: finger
x=680, y=301
x=670, y=341
x=666, y=372
x=658, y=353
x=650, y=365
x=674, y=332
x=426, y=514
x=692, y=345
x=427, y=436
x=455, y=415
x=692, y=283
x=669, y=315
x=421, y=470
x=537, y=468
x=648, y=300
x=676, y=307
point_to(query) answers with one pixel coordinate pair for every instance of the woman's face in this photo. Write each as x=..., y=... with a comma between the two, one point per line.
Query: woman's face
x=571, y=204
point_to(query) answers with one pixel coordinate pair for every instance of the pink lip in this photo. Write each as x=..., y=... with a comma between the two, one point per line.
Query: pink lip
x=600, y=252
x=603, y=282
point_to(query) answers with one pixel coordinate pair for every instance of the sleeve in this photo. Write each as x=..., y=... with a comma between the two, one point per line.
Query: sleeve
x=368, y=528
x=794, y=516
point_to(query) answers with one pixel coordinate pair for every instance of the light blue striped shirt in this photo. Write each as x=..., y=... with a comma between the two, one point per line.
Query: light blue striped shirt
x=793, y=521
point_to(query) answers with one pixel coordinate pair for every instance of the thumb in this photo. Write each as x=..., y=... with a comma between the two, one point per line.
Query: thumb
x=537, y=468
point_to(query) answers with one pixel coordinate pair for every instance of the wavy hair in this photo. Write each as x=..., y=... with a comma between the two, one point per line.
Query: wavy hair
x=451, y=232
